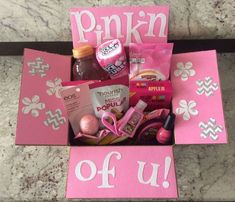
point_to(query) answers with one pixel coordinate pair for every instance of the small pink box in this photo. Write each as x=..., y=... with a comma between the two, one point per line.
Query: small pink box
x=121, y=171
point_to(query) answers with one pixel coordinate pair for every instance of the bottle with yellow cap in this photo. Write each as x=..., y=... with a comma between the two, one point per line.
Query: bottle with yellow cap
x=86, y=66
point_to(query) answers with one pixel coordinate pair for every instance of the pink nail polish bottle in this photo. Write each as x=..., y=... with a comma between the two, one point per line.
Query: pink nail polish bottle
x=132, y=119
x=164, y=134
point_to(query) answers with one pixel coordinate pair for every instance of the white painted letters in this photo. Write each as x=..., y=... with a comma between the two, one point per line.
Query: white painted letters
x=105, y=172
x=152, y=21
x=107, y=26
x=132, y=30
x=147, y=173
x=80, y=27
x=78, y=172
x=135, y=26
x=98, y=32
x=153, y=179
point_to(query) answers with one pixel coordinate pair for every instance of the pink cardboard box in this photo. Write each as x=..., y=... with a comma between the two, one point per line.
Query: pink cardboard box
x=121, y=171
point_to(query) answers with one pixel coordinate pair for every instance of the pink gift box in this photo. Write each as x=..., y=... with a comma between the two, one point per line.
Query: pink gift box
x=121, y=171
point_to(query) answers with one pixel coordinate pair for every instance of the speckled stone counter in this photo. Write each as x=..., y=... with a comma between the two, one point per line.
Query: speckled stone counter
x=49, y=20
x=39, y=173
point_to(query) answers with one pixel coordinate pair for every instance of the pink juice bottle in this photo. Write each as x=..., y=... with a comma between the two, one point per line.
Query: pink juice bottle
x=86, y=66
x=132, y=119
x=112, y=58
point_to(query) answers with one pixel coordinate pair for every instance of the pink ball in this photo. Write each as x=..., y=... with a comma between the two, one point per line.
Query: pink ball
x=89, y=124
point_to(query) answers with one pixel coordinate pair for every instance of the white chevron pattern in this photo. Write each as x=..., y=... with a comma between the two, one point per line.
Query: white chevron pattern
x=206, y=87
x=37, y=67
x=55, y=120
x=210, y=129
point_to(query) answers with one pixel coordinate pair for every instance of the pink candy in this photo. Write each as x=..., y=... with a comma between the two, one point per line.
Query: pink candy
x=112, y=58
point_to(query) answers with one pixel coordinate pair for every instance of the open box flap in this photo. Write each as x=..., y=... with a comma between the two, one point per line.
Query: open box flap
x=140, y=24
x=121, y=172
x=41, y=116
x=197, y=100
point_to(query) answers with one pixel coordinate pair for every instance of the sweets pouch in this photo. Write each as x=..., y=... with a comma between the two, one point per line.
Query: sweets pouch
x=110, y=94
x=150, y=61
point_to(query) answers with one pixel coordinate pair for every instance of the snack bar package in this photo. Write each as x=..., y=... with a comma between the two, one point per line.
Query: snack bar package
x=150, y=61
x=157, y=94
x=110, y=94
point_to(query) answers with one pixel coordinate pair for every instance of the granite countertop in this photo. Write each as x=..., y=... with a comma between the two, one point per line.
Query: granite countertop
x=49, y=20
x=39, y=173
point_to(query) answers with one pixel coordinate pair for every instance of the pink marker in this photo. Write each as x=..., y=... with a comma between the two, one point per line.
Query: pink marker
x=112, y=58
x=164, y=134
x=132, y=119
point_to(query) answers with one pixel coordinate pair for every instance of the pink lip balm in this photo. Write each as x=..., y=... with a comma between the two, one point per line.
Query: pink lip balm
x=89, y=124
x=164, y=134
x=112, y=58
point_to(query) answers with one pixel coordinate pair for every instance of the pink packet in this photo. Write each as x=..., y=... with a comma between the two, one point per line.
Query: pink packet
x=77, y=102
x=106, y=95
x=157, y=94
x=112, y=58
x=150, y=61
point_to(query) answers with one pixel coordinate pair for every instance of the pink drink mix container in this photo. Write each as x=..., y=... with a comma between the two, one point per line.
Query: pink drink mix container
x=112, y=58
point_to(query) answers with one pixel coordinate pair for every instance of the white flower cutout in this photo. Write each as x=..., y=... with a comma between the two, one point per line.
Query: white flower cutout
x=32, y=106
x=184, y=70
x=55, y=87
x=187, y=109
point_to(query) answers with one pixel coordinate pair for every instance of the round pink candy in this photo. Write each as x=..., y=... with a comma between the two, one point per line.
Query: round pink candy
x=89, y=124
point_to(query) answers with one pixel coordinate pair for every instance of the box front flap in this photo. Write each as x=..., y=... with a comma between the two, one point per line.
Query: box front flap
x=41, y=116
x=121, y=172
x=140, y=24
x=197, y=100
